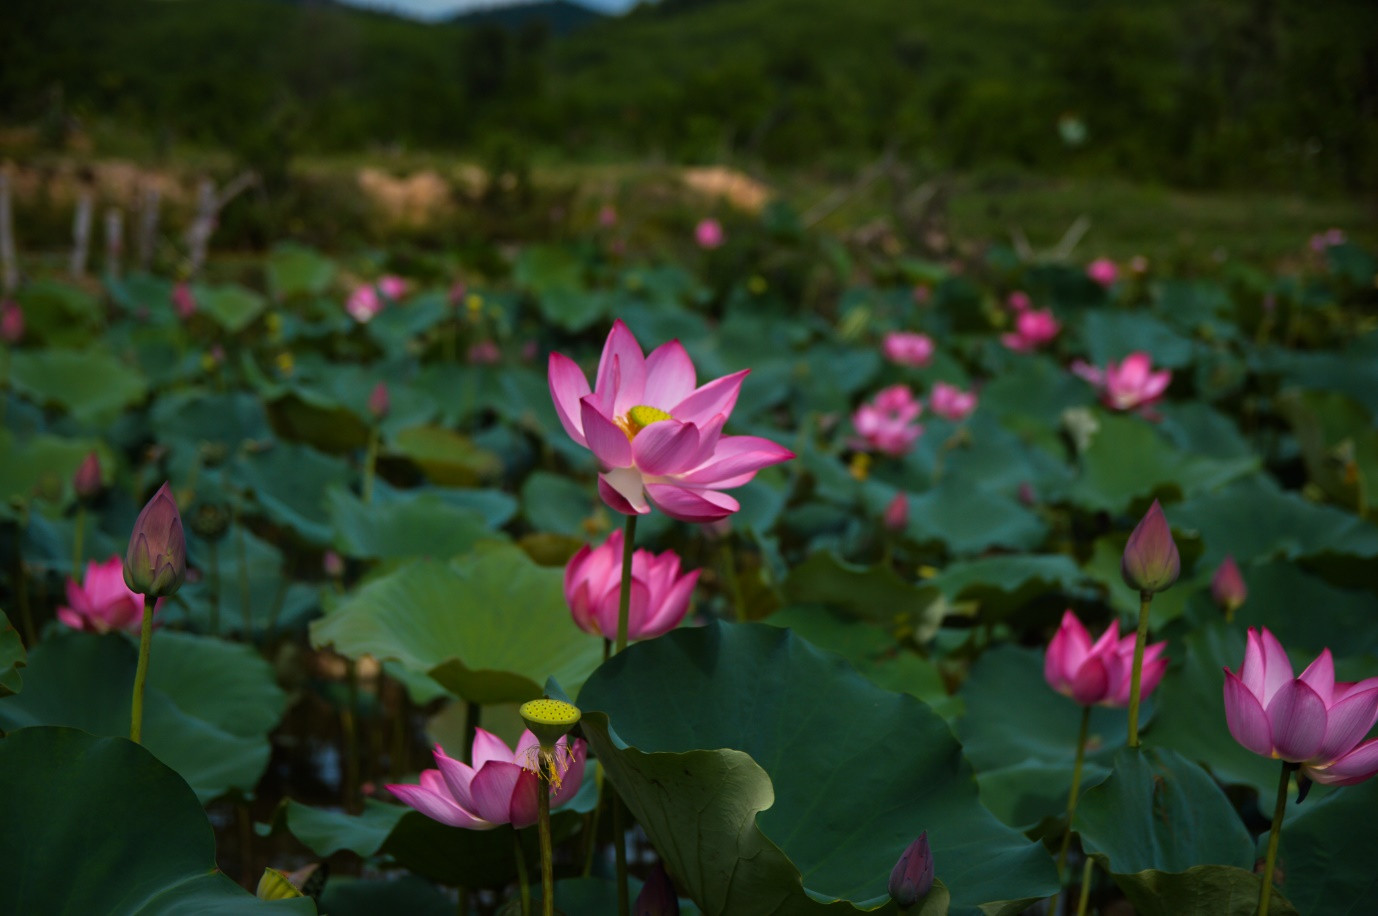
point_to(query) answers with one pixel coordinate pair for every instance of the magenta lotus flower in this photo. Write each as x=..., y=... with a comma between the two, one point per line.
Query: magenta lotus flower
x=1103, y=272
x=951, y=402
x=657, y=437
x=1312, y=720
x=501, y=786
x=484, y=353
x=896, y=516
x=102, y=602
x=1130, y=384
x=86, y=480
x=11, y=322
x=379, y=401
x=886, y=424
x=183, y=301
x=906, y=348
x=1099, y=673
x=1019, y=301
x=392, y=286
x=1150, y=562
x=1227, y=586
x=912, y=877
x=156, y=562
x=660, y=595
x=709, y=234
x=1323, y=240
x=1032, y=329
x=364, y=303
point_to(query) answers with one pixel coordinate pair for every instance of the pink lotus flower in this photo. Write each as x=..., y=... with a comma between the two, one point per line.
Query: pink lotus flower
x=183, y=302
x=484, y=353
x=86, y=481
x=908, y=349
x=1099, y=674
x=1019, y=301
x=1227, y=586
x=500, y=787
x=1323, y=240
x=1312, y=720
x=379, y=401
x=896, y=515
x=886, y=424
x=1032, y=329
x=392, y=286
x=102, y=602
x=1150, y=562
x=657, y=437
x=709, y=234
x=607, y=216
x=156, y=561
x=363, y=304
x=951, y=402
x=1130, y=384
x=1103, y=272
x=11, y=322
x=660, y=595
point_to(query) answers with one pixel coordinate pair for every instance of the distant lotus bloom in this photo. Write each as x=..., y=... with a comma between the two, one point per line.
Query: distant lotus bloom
x=11, y=322
x=1150, y=562
x=912, y=877
x=1032, y=329
x=886, y=424
x=1099, y=673
x=1130, y=384
x=660, y=594
x=392, y=286
x=1103, y=272
x=530, y=350
x=102, y=602
x=364, y=303
x=1312, y=720
x=379, y=401
x=922, y=293
x=458, y=292
x=951, y=402
x=1019, y=301
x=1138, y=264
x=657, y=437
x=1323, y=240
x=183, y=302
x=709, y=234
x=484, y=353
x=333, y=564
x=156, y=562
x=86, y=480
x=500, y=787
x=657, y=897
x=607, y=216
x=896, y=515
x=908, y=349
x=1227, y=586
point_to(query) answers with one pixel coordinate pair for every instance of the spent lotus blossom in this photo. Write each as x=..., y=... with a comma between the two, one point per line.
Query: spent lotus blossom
x=657, y=437
x=660, y=592
x=887, y=422
x=499, y=788
x=1032, y=329
x=907, y=348
x=709, y=234
x=951, y=402
x=1313, y=720
x=1099, y=673
x=1129, y=384
x=102, y=602
x=1103, y=272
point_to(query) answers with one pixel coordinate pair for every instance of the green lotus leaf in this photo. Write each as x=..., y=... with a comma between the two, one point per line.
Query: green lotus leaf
x=446, y=457
x=348, y=896
x=90, y=384
x=1327, y=852
x=1206, y=890
x=290, y=482
x=233, y=307
x=297, y=271
x=1113, y=335
x=244, y=581
x=12, y=658
x=1001, y=584
x=425, y=525
x=874, y=593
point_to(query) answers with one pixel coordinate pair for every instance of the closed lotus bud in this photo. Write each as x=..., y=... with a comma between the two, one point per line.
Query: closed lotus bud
x=378, y=402
x=1150, y=562
x=897, y=513
x=156, y=562
x=657, y=897
x=86, y=481
x=912, y=877
x=333, y=564
x=1227, y=586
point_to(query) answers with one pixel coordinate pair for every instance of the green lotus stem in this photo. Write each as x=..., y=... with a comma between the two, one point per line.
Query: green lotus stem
x=591, y=823
x=350, y=733
x=1072, y=800
x=523, y=879
x=136, y=706
x=624, y=598
x=1085, y=897
x=1145, y=599
x=77, y=538
x=370, y=463
x=214, y=585
x=547, y=853
x=619, y=847
x=1265, y=893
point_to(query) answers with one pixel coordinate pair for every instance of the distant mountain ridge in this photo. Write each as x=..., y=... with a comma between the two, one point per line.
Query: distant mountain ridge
x=561, y=17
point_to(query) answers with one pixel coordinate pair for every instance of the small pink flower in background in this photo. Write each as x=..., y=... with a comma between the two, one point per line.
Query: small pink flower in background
x=11, y=322
x=1099, y=673
x=501, y=786
x=1312, y=720
x=484, y=353
x=709, y=234
x=217, y=354
x=183, y=302
x=1103, y=272
x=333, y=564
x=886, y=424
x=86, y=481
x=392, y=286
x=102, y=602
x=1323, y=240
x=458, y=290
x=379, y=401
x=908, y=349
x=363, y=304
x=1227, y=586
x=1032, y=329
x=607, y=216
x=896, y=515
x=1138, y=264
x=530, y=350
x=657, y=437
x=660, y=594
x=1019, y=301
x=922, y=293
x=951, y=402
x=1130, y=384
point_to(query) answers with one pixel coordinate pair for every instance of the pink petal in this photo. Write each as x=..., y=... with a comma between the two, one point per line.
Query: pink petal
x=1091, y=682
x=493, y=788
x=71, y=618
x=606, y=439
x=691, y=505
x=573, y=775
x=1149, y=676
x=1320, y=677
x=621, y=371
x=717, y=397
x=1347, y=722
x=737, y=456
x=1090, y=373
x=674, y=604
x=1354, y=767
x=666, y=447
x=458, y=776
x=567, y=387
x=1245, y=717
x=523, y=810
x=636, y=610
x=1297, y=720
x=1277, y=668
x=622, y=490
x=438, y=807
x=488, y=746
x=669, y=376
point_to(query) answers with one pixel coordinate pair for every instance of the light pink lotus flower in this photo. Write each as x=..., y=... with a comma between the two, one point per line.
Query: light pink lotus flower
x=392, y=286
x=660, y=595
x=1227, y=586
x=709, y=234
x=1099, y=673
x=484, y=353
x=657, y=437
x=1312, y=720
x=607, y=216
x=886, y=424
x=364, y=303
x=1019, y=301
x=1130, y=384
x=1032, y=329
x=183, y=302
x=87, y=479
x=951, y=402
x=896, y=515
x=906, y=348
x=11, y=322
x=102, y=602
x=1103, y=272
x=501, y=786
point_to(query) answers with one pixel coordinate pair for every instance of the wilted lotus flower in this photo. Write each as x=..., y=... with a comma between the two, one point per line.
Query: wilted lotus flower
x=657, y=897
x=500, y=787
x=709, y=234
x=1032, y=329
x=364, y=303
x=951, y=402
x=1130, y=384
x=1312, y=720
x=1103, y=272
x=897, y=513
x=660, y=595
x=11, y=322
x=912, y=877
x=156, y=562
x=1227, y=586
x=908, y=349
x=1150, y=562
x=102, y=602
x=183, y=302
x=886, y=424
x=1099, y=673
x=86, y=480
x=657, y=437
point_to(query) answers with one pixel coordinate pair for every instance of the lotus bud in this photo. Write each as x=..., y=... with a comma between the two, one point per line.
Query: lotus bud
x=657, y=897
x=912, y=877
x=897, y=513
x=333, y=564
x=379, y=403
x=1150, y=562
x=1227, y=587
x=156, y=562
x=86, y=481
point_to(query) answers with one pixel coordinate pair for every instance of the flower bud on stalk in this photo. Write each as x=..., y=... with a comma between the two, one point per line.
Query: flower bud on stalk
x=156, y=563
x=1151, y=563
x=86, y=480
x=912, y=877
x=379, y=403
x=1227, y=587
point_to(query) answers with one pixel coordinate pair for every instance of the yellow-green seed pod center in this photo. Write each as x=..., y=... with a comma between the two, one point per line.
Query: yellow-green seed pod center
x=549, y=720
x=642, y=416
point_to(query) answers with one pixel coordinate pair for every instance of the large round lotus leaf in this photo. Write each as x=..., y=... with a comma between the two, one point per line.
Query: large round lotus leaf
x=1000, y=584
x=59, y=314
x=1206, y=890
x=12, y=658
x=1113, y=335
x=297, y=271
x=98, y=825
x=1328, y=850
x=44, y=464
x=555, y=503
x=490, y=627
x=1338, y=442
x=971, y=520
x=290, y=482
x=233, y=307
x=348, y=896
x=1033, y=392
x=425, y=525
x=773, y=778
x=1354, y=371
x=91, y=385
x=84, y=681
x=1306, y=613
x=304, y=416
x=874, y=593
x=219, y=603
x=1202, y=430
x=445, y=456
x=225, y=683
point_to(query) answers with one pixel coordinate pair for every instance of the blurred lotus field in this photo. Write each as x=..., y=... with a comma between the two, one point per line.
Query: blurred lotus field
x=379, y=499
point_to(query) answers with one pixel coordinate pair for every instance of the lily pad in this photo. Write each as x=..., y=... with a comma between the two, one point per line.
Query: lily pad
x=1001, y=584
x=290, y=482
x=970, y=520
x=1206, y=890
x=90, y=384
x=445, y=456
x=425, y=525
x=1327, y=852
x=233, y=307
x=875, y=593
x=294, y=270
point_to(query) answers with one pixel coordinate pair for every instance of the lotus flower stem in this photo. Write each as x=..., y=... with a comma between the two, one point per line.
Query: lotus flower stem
x=136, y=707
x=349, y=731
x=1086, y=872
x=1072, y=798
x=624, y=598
x=619, y=847
x=547, y=853
x=1135, y=678
x=77, y=537
x=1274, y=834
x=523, y=879
x=370, y=463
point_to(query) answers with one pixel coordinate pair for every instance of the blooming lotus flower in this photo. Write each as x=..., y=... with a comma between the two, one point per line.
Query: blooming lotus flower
x=1312, y=720
x=11, y=322
x=912, y=876
x=392, y=286
x=156, y=562
x=660, y=595
x=951, y=402
x=1130, y=384
x=102, y=602
x=1227, y=586
x=500, y=787
x=1150, y=562
x=1103, y=272
x=1099, y=673
x=86, y=480
x=363, y=304
x=709, y=234
x=657, y=437
x=908, y=349
x=1032, y=329
x=886, y=424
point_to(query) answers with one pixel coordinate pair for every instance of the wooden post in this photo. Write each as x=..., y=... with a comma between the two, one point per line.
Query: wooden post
x=9, y=263
x=208, y=206
x=148, y=226
x=81, y=232
x=114, y=241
